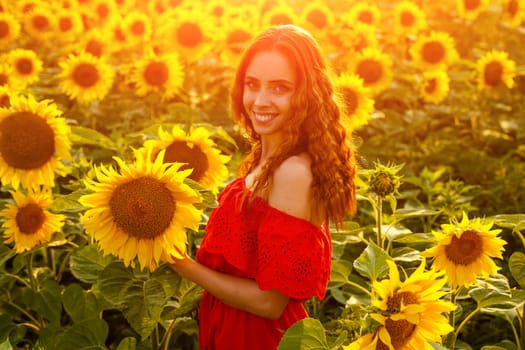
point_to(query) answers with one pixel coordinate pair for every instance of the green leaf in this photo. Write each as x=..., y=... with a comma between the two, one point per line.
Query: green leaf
x=87, y=136
x=79, y=303
x=515, y=222
x=114, y=282
x=6, y=325
x=46, y=301
x=86, y=334
x=517, y=267
x=6, y=345
x=87, y=262
x=128, y=343
x=490, y=291
x=340, y=271
x=372, y=262
x=307, y=334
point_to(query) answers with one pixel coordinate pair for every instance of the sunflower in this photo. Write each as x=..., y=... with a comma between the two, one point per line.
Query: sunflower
x=408, y=18
x=374, y=67
x=34, y=140
x=7, y=78
x=157, y=73
x=237, y=35
x=187, y=32
x=471, y=9
x=39, y=23
x=69, y=24
x=85, y=77
x=5, y=96
x=464, y=250
x=317, y=17
x=434, y=51
x=513, y=12
x=197, y=151
x=358, y=104
x=9, y=29
x=95, y=43
x=435, y=87
x=137, y=27
x=142, y=210
x=28, y=222
x=27, y=66
x=410, y=313
x=280, y=14
x=363, y=13
x=495, y=69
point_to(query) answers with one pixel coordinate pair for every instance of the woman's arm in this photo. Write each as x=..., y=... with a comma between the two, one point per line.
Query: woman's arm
x=241, y=293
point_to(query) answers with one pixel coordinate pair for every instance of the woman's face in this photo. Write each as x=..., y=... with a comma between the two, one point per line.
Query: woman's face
x=269, y=84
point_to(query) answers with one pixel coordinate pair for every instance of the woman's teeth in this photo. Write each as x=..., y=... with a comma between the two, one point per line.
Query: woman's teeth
x=264, y=117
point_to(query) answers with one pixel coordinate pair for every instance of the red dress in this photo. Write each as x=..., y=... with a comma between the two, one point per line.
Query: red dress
x=277, y=250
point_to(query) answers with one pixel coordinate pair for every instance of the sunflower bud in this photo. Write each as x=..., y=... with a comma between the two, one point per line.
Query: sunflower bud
x=384, y=180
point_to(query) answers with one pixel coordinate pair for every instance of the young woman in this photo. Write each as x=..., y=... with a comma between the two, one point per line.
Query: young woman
x=267, y=246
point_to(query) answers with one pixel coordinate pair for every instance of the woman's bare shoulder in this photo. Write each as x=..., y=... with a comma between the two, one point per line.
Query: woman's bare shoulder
x=291, y=186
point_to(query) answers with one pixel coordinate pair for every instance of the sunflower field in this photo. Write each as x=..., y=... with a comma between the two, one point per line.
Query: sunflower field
x=116, y=138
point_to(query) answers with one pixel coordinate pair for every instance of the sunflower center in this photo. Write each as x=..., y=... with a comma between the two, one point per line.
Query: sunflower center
x=65, y=24
x=138, y=28
x=407, y=19
x=30, y=218
x=317, y=18
x=512, y=7
x=85, y=75
x=102, y=11
x=280, y=19
x=94, y=47
x=431, y=86
x=433, y=52
x=366, y=17
x=142, y=208
x=24, y=66
x=40, y=23
x=493, y=73
x=471, y=4
x=236, y=39
x=156, y=73
x=4, y=100
x=404, y=298
x=350, y=99
x=400, y=331
x=194, y=157
x=371, y=71
x=4, y=29
x=189, y=34
x=26, y=141
x=4, y=79
x=466, y=249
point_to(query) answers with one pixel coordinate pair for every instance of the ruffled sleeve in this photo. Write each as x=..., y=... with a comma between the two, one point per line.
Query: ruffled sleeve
x=294, y=256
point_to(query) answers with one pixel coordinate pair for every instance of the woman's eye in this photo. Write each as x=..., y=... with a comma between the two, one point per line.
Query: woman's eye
x=250, y=84
x=280, y=88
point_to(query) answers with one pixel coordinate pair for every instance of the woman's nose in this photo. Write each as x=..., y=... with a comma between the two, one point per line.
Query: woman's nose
x=262, y=98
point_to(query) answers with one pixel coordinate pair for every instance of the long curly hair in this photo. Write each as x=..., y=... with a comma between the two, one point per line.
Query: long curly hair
x=314, y=126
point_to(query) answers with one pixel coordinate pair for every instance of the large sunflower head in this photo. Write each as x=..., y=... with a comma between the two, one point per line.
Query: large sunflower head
x=196, y=151
x=435, y=86
x=39, y=22
x=471, y=9
x=28, y=223
x=411, y=311
x=374, y=67
x=436, y=50
x=513, y=12
x=409, y=18
x=157, y=73
x=495, y=69
x=464, y=250
x=26, y=66
x=363, y=13
x=85, y=77
x=141, y=210
x=357, y=101
x=188, y=32
x=9, y=29
x=137, y=27
x=237, y=35
x=317, y=17
x=34, y=140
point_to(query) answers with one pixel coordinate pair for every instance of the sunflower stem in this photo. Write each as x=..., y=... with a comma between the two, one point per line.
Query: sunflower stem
x=379, y=221
x=450, y=339
x=165, y=343
x=155, y=338
x=29, y=265
x=469, y=316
